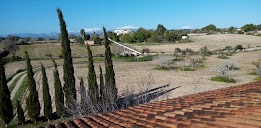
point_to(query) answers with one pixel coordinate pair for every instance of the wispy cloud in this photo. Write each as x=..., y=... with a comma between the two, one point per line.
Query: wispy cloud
x=186, y=27
x=127, y=27
x=92, y=29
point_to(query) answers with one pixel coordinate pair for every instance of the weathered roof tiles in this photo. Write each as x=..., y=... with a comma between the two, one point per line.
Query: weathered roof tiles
x=232, y=107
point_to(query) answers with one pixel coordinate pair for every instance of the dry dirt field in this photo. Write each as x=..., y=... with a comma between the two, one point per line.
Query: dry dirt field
x=129, y=75
x=213, y=42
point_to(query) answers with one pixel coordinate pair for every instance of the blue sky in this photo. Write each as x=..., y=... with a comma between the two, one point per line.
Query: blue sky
x=39, y=16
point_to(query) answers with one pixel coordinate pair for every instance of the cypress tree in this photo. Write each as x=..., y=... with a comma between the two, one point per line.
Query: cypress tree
x=82, y=91
x=20, y=112
x=92, y=82
x=101, y=84
x=110, y=83
x=32, y=100
x=58, y=93
x=46, y=95
x=6, y=108
x=84, y=100
x=68, y=71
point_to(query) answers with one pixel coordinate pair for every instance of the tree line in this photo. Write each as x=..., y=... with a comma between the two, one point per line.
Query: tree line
x=102, y=96
x=161, y=34
x=211, y=28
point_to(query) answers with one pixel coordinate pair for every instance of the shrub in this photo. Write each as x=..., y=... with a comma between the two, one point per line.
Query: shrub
x=177, y=50
x=145, y=50
x=240, y=32
x=187, y=68
x=189, y=51
x=204, y=51
x=239, y=47
x=223, y=56
x=178, y=59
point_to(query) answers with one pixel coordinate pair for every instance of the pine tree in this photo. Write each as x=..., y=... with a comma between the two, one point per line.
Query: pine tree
x=101, y=84
x=32, y=100
x=68, y=75
x=20, y=112
x=46, y=95
x=92, y=82
x=6, y=108
x=59, y=96
x=110, y=83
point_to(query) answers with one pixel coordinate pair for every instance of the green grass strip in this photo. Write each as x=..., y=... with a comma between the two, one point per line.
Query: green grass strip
x=133, y=58
x=11, y=87
x=18, y=71
x=20, y=91
x=258, y=79
x=223, y=79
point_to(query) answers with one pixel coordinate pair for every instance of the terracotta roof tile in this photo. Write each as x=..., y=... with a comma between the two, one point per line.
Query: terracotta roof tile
x=232, y=107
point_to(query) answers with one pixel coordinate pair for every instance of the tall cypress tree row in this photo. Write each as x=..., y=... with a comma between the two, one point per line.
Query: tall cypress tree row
x=58, y=93
x=6, y=108
x=92, y=82
x=68, y=75
x=46, y=95
x=20, y=112
x=101, y=84
x=32, y=100
x=109, y=75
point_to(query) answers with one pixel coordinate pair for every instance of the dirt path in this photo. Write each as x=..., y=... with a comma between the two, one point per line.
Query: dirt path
x=13, y=79
x=17, y=86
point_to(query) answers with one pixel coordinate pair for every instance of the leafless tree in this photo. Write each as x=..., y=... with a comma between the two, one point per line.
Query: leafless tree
x=191, y=63
x=145, y=85
x=231, y=65
x=11, y=46
x=227, y=70
x=75, y=108
x=164, y=61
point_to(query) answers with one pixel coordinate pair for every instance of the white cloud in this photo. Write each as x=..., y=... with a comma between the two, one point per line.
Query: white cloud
x=127, y=27
x=92, y=29
x=186, y=27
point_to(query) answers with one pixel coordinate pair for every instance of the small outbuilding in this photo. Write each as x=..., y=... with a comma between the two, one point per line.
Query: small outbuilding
x=89, y=42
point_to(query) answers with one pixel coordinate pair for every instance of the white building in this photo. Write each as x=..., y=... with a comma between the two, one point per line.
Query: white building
x=184, y=37
x=72, y=40
x=122, y=31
